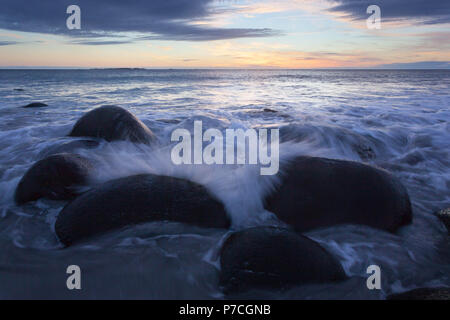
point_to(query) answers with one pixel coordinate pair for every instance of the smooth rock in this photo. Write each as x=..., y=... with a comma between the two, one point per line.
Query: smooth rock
x=56, y=177
x=318, y=192
x=112, y=123
x=274, y=258
x=137, y=199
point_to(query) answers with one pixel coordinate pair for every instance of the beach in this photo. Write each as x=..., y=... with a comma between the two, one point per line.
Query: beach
x=397, y=120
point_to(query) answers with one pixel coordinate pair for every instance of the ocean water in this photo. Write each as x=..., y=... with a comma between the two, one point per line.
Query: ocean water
x=397, y=120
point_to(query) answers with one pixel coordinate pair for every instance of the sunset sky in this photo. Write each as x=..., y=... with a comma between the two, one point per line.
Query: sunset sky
x=222, y=33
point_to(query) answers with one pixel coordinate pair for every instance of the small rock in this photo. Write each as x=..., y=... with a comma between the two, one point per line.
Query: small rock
x=35, y=105
x=365, y=152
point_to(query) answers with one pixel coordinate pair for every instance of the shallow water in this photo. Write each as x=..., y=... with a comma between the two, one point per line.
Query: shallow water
x=397, y=120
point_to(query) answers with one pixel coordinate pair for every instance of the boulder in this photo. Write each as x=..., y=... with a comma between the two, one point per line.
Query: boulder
x=137, y=199
x=442, y=293
x=56, y=177
x=112, y=123
x=274, y=258
x=318, y=192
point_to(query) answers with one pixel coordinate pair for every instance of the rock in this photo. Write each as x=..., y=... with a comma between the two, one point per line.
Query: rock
x=319, y=192
x=342, y=139
x=444, y=216
x=112, y=123
x=365, y=152
x=35, y=105
x=137, y=199
x=412, y=158
x=274, y=258
x=423, y=294
x=70, y=147
x=56, y=177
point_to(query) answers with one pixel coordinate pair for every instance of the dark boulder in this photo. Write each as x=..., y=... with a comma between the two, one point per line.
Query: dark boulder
x=274, y=258
x=112, y=123
x=137, y=199
x=319, y=192
x=70, y=147
x=57, y=177
x=444, y=216
x=442, y=293
x=35, y=105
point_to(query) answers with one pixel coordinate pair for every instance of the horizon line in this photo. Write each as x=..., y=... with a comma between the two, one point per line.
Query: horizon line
x=211, y=68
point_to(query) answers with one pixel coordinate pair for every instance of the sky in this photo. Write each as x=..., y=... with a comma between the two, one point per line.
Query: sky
x=225, y=34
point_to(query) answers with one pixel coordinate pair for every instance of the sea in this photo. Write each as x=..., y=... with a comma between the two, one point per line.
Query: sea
x=393, y=119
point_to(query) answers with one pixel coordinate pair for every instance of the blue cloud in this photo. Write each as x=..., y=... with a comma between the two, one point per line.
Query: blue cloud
x=168, y=19
x=429, y=12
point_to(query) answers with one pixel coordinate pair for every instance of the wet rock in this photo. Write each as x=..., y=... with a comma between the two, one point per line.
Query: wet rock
x=137, y=199
x=365, y=152
x=35, y=105
x=112, y=123
x=412, y=158
x=170, y=121
x=423, y=294
x=56, y=177
x=318, y=192
x=444, y=216
x=274, y=258
x=342, y=139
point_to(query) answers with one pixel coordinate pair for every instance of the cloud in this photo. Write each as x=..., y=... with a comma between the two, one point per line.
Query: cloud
x=202, y=34
x=146, y=19
x=428, y=12
x=100, y=43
